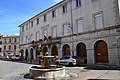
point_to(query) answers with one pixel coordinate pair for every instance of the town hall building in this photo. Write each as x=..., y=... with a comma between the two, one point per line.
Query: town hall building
x=89, y=29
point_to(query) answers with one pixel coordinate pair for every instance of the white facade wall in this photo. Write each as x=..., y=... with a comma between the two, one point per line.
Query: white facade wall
x=90, y=34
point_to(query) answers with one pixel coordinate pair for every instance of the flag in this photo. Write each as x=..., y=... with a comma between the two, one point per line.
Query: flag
x=45, y=38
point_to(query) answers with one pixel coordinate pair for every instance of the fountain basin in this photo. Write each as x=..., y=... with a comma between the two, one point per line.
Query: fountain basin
x=54, y=72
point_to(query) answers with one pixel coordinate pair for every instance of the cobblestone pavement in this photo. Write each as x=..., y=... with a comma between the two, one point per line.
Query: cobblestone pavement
x=12, y=70
x=99, y=75
x=16, y=71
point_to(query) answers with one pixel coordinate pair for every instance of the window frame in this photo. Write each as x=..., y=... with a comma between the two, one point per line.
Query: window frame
x=10, y=41
x=22, y=28
x=27, y=26
x=4, y=47
x=31, y=24
x=37, y=35
x=44, y=18
x=15, y=47
x=80, y=27
x=38, y=21
x=64, y=29
x=102, y=16
x=53, y=13
x=78, y=3
x=31, y=37
x=15, y=40
x=0, y=49
x=64, y=8
x=9, y=47
x=53, y=31
x=44, y=33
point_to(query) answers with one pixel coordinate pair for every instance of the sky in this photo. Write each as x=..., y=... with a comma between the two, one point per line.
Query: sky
x=15, y=12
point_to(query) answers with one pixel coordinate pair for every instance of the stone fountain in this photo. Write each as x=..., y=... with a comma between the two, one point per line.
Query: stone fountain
x=46, y=71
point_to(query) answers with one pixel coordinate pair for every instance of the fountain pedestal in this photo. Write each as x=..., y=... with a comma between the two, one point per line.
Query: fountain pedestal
x=46, y=70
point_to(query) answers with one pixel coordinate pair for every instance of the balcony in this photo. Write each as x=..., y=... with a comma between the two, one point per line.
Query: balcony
x=47, y=41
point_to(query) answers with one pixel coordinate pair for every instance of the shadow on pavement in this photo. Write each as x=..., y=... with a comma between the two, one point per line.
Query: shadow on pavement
x=27, y=76
x=102, y=67
x=101, y=79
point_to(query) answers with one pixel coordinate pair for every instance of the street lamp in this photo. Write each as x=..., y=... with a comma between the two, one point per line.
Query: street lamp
x=72, y=48
x=71, y=27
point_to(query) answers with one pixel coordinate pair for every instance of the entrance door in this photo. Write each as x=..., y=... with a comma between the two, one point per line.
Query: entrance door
x=66, y=50
x=101, y=52
x=118, y=46
x=31, y=54
x=54, y=51
x=22, y=53
x=81, y=52
x=26, y=54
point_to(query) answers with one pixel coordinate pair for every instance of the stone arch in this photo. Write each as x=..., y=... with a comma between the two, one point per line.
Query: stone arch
x=66, y=50
x=54, y=51
x=101, y=52
x=81, y=52
x=37, y=51
x=31, y=54
x=22, y=53
x=45, y=49
x=26, y=54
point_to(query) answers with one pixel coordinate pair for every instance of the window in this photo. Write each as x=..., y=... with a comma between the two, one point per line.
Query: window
x=0, y=37
x=44, y=32
x=0, y=49
x=45, y=18
x=4, y=47
x=4, y=54
x=26, y=26
x=66, y=30
x=9, y=40
x=0, y=42
x=98, y=21
x=22, y=40
x=31, y=24
x=26, y=39
x=78, y=3
x=5, y=40
x=9, y=47
x=54, y=31
x=54, y=13
x=14, y=47
x=65, y=8
x=37, y=35
x=15, y=40
x=22, y=28
x=31, y=37
x=79, y=26
x=37, y=21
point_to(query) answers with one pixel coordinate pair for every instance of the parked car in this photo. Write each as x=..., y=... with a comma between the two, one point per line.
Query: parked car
x=0, y=57
x=68, y=60
x=15, y=57
x=6, y=58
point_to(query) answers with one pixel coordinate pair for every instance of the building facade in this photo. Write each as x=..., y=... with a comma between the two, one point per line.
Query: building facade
x=0, y=45
x=10, y=45
x=85, y=28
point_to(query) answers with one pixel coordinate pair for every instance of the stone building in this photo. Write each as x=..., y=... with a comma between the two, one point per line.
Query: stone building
x=10, y=45
x=85, y=28
x=0, y=44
